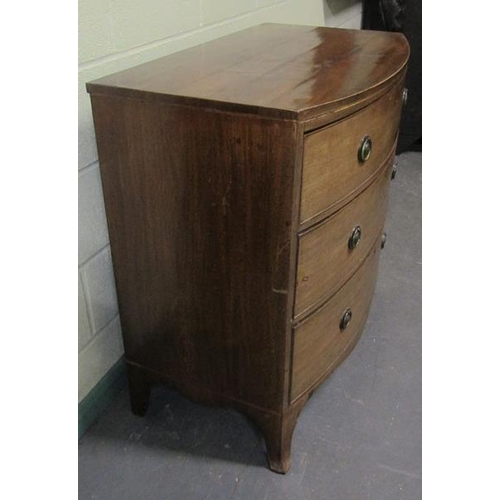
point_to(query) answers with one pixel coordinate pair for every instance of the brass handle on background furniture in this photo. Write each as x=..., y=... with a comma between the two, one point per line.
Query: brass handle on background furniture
x=383, y=240
x=405, y=96
x=365, y=148
x=346, y=318
x=394, y=171
x=355, y=238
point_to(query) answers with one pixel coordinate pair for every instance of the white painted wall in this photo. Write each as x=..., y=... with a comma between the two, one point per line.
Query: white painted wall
x=343, y=13
x=115, y=35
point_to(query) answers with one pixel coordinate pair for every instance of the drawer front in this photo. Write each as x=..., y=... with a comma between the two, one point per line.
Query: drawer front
x=330, y=252
x=332, y=167
x=320, y=344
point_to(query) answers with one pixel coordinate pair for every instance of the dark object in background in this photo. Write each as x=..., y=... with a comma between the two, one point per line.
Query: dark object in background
x=406, y=17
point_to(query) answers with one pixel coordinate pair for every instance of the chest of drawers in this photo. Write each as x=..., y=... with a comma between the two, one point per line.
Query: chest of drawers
x=245, y=184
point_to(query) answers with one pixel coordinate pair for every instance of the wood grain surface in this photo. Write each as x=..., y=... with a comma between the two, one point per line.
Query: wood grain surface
x=332, y=169
x=319, y=343
x=325, y=260
x=199, y=210
x=275, y=70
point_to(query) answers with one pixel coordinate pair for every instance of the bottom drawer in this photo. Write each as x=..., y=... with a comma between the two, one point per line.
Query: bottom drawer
x=325, y=338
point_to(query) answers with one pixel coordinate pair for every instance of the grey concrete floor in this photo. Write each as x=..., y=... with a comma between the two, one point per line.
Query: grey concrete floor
x=358, y=437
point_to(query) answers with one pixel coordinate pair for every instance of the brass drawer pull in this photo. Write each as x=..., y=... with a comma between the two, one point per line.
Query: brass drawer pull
x=346, y=319
x=355, y=238
x=365, y=149
x=394, y=171
x=405, y=96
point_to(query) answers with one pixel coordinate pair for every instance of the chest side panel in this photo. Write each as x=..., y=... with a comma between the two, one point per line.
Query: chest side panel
x=199, y=206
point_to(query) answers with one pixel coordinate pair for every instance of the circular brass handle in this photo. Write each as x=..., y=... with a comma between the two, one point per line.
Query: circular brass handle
x=405, y=96
x=346, y=319
x=355, y=238
x=383, y=240
x=394, y=171
x=365, y=148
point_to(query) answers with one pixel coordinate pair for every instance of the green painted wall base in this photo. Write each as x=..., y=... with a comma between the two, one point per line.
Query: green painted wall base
x=98, y=399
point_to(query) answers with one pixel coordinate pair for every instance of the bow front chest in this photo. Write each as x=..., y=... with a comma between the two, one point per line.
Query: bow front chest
x=245, y=183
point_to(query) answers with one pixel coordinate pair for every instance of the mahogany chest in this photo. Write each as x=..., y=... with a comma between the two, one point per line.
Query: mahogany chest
x=245, y=184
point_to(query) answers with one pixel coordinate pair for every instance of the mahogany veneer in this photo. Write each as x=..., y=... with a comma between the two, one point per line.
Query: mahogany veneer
x=245, y=210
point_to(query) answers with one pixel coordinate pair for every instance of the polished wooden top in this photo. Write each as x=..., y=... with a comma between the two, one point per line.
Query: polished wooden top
x=272, y=69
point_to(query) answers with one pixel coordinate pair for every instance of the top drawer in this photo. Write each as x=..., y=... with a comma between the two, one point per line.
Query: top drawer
x=333, y=169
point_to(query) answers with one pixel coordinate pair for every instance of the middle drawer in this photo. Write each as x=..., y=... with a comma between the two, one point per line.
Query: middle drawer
x=330, y=252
